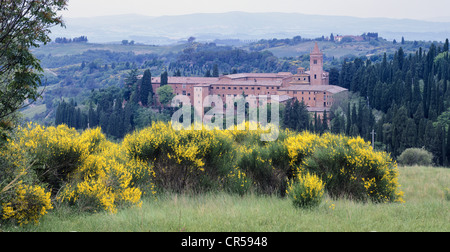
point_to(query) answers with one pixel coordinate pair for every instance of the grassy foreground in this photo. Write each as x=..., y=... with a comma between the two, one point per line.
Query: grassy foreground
x=426, y=209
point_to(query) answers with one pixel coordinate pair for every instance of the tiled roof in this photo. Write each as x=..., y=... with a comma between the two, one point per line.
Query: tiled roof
x=257, y=75
x=187, y=80
x=250, y=82
x=320, y=88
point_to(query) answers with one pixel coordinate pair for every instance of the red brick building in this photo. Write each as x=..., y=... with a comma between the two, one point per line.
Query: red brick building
x=312, y=86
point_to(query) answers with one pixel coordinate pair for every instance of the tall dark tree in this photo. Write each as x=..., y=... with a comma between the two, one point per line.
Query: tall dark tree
x=296, y=116
x=215, y=72
x=164, y=78
x=146, y=88
x=325, y=121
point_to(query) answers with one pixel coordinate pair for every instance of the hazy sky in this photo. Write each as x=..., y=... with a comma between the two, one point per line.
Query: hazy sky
x=414, y=9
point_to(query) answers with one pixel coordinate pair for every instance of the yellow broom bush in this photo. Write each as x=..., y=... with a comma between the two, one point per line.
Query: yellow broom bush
x=87, y=170
x=27, y=204
x=306, y=190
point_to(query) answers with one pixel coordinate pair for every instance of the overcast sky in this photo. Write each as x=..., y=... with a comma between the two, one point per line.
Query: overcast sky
x=413, y=9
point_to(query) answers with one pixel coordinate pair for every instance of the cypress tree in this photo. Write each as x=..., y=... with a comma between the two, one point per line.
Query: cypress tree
x=164, y=78
x=325, y=121
x=146, y=88
x=215, y=72
x=447, y=148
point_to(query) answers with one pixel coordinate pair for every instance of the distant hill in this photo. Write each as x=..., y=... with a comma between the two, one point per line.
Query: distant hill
x=244, y=26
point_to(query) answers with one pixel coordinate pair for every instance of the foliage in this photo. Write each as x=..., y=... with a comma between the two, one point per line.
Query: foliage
x=199, y=58
x=53, y=151
x=306, y=191
x=415, y=156
x=165, y=94
x=28, y=204
x=105, y=181
x=348, y=166
x=411, y=94
x=237, y=182
x=296, y=116
x=83, y=169
x=24, y=24
x=88, y=171
x=146, y=88
x=182, y=160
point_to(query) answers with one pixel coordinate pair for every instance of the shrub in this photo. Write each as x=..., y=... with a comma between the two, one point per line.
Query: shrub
x=182, y=160
x=415, y=156
x=107, y=180
x=88, y=171
x=350, y=168
x=54, y=151
x=83, y=169
x=237, y=182
x=268, y=166
x=306, y=190
x=28, y=204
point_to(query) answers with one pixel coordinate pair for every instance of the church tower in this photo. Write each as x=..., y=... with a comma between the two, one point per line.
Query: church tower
x=316, y=67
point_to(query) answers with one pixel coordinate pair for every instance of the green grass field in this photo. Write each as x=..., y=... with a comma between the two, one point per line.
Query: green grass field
x=426, y=210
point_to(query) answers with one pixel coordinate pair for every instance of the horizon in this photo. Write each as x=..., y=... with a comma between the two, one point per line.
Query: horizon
x=399, y=9
x=442, y=19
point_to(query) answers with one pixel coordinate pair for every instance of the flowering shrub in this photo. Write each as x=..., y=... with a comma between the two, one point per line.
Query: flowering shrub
x=181, y=159
x=93, y=173
x=83, y=169
x=27, y=204
x=237, y=182
x=55, y=151
x=104, y=181
x=306, y=190
x=350, y=168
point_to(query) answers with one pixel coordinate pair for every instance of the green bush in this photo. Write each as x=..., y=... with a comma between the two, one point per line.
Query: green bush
x=415, y=156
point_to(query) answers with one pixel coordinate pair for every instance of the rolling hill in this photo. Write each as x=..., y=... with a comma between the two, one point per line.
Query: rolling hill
x=244, y=26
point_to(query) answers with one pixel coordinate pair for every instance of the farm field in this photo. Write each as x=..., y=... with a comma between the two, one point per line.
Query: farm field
x=426, y=209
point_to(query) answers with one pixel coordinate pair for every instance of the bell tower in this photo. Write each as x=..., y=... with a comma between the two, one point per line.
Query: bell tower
x=316, y=66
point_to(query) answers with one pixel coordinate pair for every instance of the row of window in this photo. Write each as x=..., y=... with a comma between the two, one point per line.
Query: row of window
x=241, y=88
x=303, y=92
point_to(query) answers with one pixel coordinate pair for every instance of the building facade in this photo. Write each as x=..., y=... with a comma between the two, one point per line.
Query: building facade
x=310, y=86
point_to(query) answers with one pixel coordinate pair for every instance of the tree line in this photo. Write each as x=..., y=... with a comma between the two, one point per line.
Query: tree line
x=117, y=111
x=411, y=94
x=64, y=40
x=199, y=59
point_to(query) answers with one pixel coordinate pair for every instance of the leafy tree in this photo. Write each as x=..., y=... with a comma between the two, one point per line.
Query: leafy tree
x=24, y=24
x=165, y=94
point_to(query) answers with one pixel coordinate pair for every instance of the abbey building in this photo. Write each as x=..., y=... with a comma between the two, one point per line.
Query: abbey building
x=310, y=86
